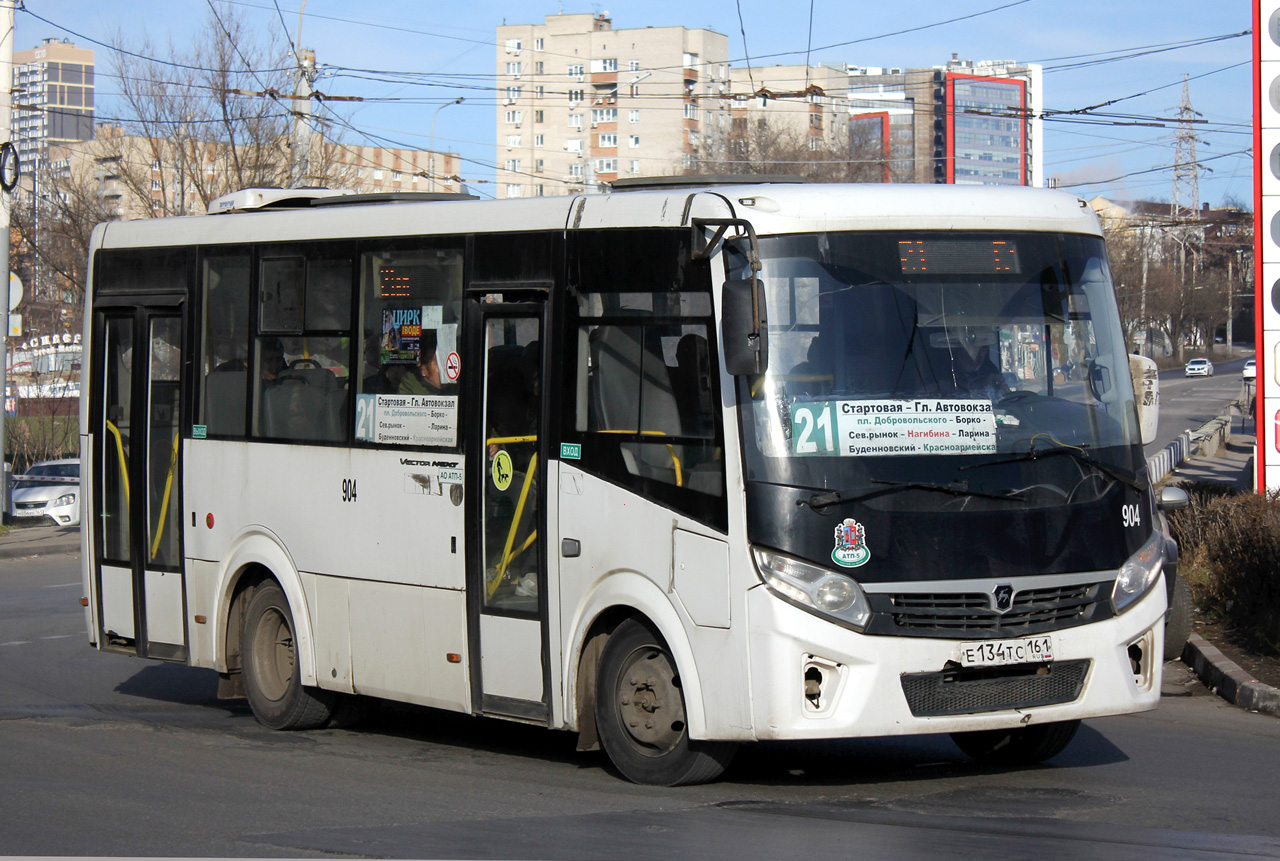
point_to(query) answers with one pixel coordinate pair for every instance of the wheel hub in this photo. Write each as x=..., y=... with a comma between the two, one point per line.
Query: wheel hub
x=649, y=702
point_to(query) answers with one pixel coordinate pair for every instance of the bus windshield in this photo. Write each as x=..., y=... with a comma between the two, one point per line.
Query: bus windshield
x=917, y=356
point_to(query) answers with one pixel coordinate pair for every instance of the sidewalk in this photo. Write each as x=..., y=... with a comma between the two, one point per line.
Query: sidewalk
x=23, y=541
x=1234, y=465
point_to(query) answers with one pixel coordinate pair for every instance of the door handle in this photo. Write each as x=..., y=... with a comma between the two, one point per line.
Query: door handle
x=570, y=548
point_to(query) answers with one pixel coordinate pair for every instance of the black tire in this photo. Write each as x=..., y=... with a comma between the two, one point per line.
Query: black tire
x=270, y=666
x=1022, y=746
x=1177, y=625
x=640, y=714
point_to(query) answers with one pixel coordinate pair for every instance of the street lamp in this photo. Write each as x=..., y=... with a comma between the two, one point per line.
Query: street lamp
x=431, y=147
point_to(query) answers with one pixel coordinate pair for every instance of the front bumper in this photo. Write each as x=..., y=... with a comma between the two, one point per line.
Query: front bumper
x=812, y=679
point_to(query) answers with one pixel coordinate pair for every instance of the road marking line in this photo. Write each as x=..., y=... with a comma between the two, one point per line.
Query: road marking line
x=60, y=585
x=59, y=636
x=17, y=643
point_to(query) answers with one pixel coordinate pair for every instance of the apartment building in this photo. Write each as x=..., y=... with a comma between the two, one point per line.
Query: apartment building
x=53, y=96
x=580, y=103
x=137, y=177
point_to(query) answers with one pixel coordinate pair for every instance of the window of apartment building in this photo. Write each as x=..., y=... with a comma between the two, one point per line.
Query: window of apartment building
x=512, y=164
x=575, y=96
x=396, y=176
x=633, y=65
x=515, y=116
x=539, y=67
x=513, y=45
x=514, y=93
x=155, y=165
x=513, y=141
x=575, y=170
x=539, y=190
x=815, y=122
x=573, y=145
x=576, y=70
x=575, y=121
x=693, y=138
x=609, y=139
x=537, y=116
x=513, y=190
x=538, y=165
x=539, y=140
x=606, y=165
x=690, y=112
x=538, y=44
x=604, y=65
x=690, y=60
x=539, y=92
x=633, y=116
x=633, y=141
x=513, y=68
x=377, y=175
x=604, y=115
x=155, y=185
x=635, y=165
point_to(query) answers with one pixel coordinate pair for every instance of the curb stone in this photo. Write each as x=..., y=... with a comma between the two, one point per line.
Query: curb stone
x=1228, y=679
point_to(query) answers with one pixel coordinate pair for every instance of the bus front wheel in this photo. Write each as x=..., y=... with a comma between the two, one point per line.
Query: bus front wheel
x=1023, y=746
x=640, y=714
x=271, y=677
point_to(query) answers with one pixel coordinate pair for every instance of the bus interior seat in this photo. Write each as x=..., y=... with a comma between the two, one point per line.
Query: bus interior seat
x=299, y=405
x=225, y=393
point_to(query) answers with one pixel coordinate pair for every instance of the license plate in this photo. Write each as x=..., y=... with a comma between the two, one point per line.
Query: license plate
x=28, y=512
x=998, y=653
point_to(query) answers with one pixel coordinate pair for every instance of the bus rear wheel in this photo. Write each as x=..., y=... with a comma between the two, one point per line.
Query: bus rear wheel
x=640, y=714
x=271, y=676
x=1022, y=746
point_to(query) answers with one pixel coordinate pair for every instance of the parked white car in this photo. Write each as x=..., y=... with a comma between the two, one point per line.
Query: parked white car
x=1250, y=372
x=49, y=489
x=1199, y=368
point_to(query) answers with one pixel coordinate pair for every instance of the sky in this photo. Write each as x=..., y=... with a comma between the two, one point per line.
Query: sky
x=1132, y=54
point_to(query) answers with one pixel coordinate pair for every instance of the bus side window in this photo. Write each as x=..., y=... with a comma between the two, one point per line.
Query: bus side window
x=224, y=366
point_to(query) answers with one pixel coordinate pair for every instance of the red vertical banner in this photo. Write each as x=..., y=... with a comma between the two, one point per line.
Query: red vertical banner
x=1266, y=236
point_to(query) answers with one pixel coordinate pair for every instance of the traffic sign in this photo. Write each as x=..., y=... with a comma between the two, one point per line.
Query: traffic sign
x=15, y=291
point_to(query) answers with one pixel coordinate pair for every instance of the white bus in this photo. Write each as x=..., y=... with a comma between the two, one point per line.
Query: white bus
x=674, y=468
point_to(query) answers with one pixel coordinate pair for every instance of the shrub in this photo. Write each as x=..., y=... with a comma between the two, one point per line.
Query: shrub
x=1230, y=557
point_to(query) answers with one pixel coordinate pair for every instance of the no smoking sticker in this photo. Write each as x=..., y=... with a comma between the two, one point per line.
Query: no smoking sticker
x=452, y=366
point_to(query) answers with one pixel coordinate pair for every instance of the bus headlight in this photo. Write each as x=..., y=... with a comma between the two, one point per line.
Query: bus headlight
x=1138, y=573
x=813, y=588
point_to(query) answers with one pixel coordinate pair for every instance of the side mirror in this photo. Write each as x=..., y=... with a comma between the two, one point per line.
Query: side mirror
x=744, y=328
x=1146, y=393
x=1173, y=499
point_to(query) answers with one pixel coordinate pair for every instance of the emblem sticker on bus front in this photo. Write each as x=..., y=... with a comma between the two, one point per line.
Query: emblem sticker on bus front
x=851, y=544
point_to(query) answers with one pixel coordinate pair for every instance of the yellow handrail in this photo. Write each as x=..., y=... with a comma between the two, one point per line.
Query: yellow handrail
x=164, y=505
x=124, y=466
x=507, y=555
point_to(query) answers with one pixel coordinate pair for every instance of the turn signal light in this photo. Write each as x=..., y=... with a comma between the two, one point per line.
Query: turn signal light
x=84, y=602
x=453, y=658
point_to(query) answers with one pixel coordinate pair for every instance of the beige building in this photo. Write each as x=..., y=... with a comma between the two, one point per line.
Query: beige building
x=580, y=103
x=136, y=177
x=53, y=95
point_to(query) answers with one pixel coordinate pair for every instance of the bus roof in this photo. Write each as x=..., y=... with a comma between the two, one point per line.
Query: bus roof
x=772, y=209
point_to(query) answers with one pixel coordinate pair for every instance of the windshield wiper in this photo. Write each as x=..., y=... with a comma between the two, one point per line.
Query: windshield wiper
x=1075, y=454
x=820, y=501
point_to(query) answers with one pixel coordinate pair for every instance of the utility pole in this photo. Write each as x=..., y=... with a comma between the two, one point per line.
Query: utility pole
x=304, y=80
x=6, y=110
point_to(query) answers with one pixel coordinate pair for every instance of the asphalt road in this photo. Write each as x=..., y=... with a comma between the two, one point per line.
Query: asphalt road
x=107, y=755
x=1188, y=402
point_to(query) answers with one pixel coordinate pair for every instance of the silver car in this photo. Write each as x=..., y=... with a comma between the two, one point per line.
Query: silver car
x=49, y=489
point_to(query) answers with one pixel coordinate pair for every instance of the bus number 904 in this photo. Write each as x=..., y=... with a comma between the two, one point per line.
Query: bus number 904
x=348, y=490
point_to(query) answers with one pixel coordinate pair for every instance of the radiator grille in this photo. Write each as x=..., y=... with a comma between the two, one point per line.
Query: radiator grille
x=958, y=614
x=958, y=692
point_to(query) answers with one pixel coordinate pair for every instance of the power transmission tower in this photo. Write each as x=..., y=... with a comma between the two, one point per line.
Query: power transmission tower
x=1186, y=172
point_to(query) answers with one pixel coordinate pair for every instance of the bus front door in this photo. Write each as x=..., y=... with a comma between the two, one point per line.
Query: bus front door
x=137, y=499
x=508, y=578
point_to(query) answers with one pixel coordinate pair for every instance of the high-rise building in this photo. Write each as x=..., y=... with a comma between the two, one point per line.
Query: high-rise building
x=52, y=98
x=964, y=122
x=580, y=103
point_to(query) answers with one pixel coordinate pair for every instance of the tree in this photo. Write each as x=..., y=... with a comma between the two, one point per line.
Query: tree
x=757, y=145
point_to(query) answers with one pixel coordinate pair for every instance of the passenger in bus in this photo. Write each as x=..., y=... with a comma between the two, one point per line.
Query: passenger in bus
x=380, y=379
x=424, y=377
x=967, y=367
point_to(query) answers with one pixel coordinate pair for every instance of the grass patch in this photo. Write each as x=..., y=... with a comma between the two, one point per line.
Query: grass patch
x=1229, y=543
